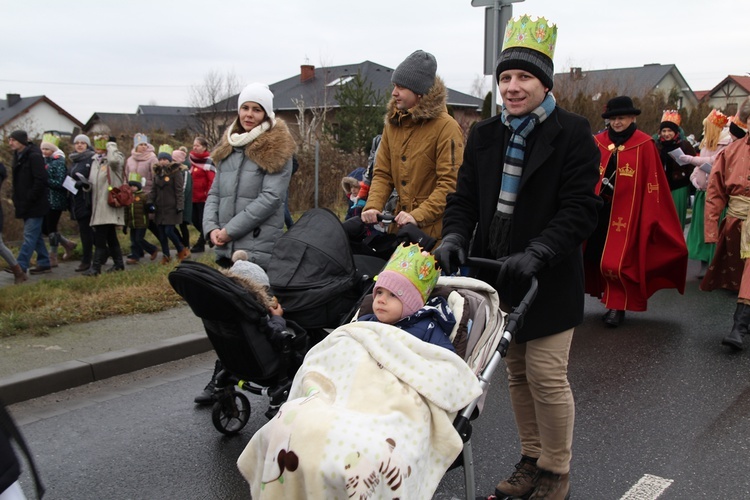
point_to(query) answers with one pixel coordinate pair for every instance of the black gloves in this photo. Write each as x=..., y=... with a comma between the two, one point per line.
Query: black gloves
x=151, y=208
x=81, y=184
x=410, y=233
x=522, y=266
x=451, y=254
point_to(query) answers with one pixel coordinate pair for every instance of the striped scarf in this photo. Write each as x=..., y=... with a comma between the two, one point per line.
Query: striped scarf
x=521, y=127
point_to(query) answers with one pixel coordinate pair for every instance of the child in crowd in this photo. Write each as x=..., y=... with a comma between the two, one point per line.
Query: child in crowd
x=180, y=156
x=401, y=297
x=254, y=279
x=136, y=215
x=167, y=200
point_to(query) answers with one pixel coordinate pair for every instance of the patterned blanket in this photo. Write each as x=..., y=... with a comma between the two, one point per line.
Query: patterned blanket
x=369, y=415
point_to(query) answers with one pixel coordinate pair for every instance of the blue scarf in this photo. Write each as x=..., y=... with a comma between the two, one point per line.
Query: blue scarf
x=521, y=127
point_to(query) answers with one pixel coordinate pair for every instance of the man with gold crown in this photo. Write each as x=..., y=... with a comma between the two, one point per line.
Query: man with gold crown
x=638, y=246
x=527, y=186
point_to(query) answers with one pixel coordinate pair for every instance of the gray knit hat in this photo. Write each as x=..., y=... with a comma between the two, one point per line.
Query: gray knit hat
x=82, y=138
x=530, y=60
x=416, y=72
x=249, y=270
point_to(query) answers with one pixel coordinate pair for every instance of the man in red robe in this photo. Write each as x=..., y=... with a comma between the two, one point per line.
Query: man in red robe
x=638, y=246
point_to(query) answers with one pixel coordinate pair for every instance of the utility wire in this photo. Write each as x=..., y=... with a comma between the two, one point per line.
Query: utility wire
x=97, y=84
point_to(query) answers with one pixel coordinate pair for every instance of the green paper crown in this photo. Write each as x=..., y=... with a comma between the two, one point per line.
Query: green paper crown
x=166, y=148
x=100, y=141
x=419, y=269
x=537, y=35
x=51, y=138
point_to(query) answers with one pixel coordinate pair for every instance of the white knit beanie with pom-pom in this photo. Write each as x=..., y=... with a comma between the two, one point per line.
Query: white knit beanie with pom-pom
x=248, y=270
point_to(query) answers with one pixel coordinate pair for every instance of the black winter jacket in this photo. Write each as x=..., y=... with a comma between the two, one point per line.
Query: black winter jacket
x=556, y=206
x=30, y=189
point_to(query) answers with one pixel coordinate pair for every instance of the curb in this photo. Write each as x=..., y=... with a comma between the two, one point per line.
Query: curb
x=43, y=381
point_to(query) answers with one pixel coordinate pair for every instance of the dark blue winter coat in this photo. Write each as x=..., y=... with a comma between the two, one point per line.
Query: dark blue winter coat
x=433, y=323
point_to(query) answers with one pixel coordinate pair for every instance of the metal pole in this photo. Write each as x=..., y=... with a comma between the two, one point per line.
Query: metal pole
x=317, y=170
x=495, y=52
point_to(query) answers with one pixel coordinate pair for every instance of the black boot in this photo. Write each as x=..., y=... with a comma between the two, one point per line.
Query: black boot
x=207, y=396
x=118, y=265
x=739, y=329
x=100, y=255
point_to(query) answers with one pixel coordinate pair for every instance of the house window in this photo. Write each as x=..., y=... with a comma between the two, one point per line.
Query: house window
x=340, y=81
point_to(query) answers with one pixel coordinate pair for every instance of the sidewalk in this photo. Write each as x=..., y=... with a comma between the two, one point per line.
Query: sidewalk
x=74, y=355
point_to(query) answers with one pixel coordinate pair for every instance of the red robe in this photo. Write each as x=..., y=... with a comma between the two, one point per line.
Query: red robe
x=645, y=248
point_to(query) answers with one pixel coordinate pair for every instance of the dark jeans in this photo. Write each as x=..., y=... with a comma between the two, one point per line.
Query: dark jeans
x=87, y=239
x=139, y=246
x=105, y=238
x=50, y=222
x=198, y=221
x=168, y=233
x=184, y=234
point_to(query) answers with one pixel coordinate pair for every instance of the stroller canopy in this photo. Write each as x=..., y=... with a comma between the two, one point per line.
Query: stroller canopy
x=312, y=263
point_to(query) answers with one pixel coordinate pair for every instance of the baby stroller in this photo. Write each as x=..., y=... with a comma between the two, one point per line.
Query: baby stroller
x=254, y=358
x=341, y=427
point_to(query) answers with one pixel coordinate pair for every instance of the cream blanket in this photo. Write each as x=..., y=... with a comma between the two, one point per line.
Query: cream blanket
x=370, y=415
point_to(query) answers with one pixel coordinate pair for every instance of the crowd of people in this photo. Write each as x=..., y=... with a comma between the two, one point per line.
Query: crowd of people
x=534, y=188
x=169, y=191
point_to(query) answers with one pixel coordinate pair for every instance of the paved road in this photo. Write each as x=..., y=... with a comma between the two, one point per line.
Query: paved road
x=659, y=401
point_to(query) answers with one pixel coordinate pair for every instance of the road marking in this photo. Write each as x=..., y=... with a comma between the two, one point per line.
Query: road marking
x=648, y=488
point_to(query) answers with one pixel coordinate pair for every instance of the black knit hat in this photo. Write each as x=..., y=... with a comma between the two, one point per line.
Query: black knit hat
x=21, y=136
x=536, y=63
x=620, y=106
x=416, y=72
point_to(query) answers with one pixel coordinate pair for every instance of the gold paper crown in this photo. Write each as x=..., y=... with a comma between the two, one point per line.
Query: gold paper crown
x=51, y=138
x=671, y=115
x=717, y=118
x=418, y=268
x=736, y=120
x=166, y=148
x=537, y=35
x=100, y=141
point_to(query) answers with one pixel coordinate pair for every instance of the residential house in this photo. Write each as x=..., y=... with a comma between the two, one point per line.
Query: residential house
x=728, y=94
x=314, y=90
x=172, y=120
x=638, y=81
x=36, y=115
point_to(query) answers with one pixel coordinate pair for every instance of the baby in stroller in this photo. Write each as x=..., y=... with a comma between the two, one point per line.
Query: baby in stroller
x=370, y=410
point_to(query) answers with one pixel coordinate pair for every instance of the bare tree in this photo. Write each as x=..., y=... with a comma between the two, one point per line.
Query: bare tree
x=214, y=108
x=480, y=86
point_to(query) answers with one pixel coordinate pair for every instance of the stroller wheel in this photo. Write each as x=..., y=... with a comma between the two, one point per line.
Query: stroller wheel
x=231, y=412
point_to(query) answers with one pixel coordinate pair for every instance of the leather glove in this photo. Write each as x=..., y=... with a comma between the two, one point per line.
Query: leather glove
x=451, y=254
x=522, y=266
x=410, y=233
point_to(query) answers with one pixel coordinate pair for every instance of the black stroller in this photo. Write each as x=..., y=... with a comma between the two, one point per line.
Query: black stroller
x=318, y=280
x=254, y=358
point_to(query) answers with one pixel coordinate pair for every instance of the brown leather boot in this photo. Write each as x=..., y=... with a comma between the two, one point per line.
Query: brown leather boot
x=183, y=254
x=551, y=486
x=20, y=276
x=520, y=484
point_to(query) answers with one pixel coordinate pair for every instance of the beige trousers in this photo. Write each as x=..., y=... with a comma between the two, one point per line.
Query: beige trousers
x=542, y=400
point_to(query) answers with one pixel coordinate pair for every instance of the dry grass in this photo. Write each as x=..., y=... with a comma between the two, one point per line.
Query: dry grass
x=34, y=309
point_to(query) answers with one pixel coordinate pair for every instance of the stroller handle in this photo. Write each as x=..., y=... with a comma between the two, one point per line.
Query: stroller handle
x=515, y=317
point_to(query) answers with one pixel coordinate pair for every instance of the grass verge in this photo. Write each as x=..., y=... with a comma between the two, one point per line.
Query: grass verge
x=34, y=309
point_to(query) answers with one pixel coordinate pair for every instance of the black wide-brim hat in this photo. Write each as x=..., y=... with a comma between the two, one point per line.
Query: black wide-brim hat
x=620, y=106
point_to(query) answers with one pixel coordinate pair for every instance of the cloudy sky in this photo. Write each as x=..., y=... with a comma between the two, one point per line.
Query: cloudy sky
x=112, y=56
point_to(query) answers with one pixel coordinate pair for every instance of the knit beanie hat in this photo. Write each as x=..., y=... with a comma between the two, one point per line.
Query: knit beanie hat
x=416, y=72
x=139, y=139
x=48, y=145
x=20, y=136
x=248, y=270
x=82, y=138
x=529, y=46
x=410, y=275
x=164, y=156
x=260, y=93
x=179, y=155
